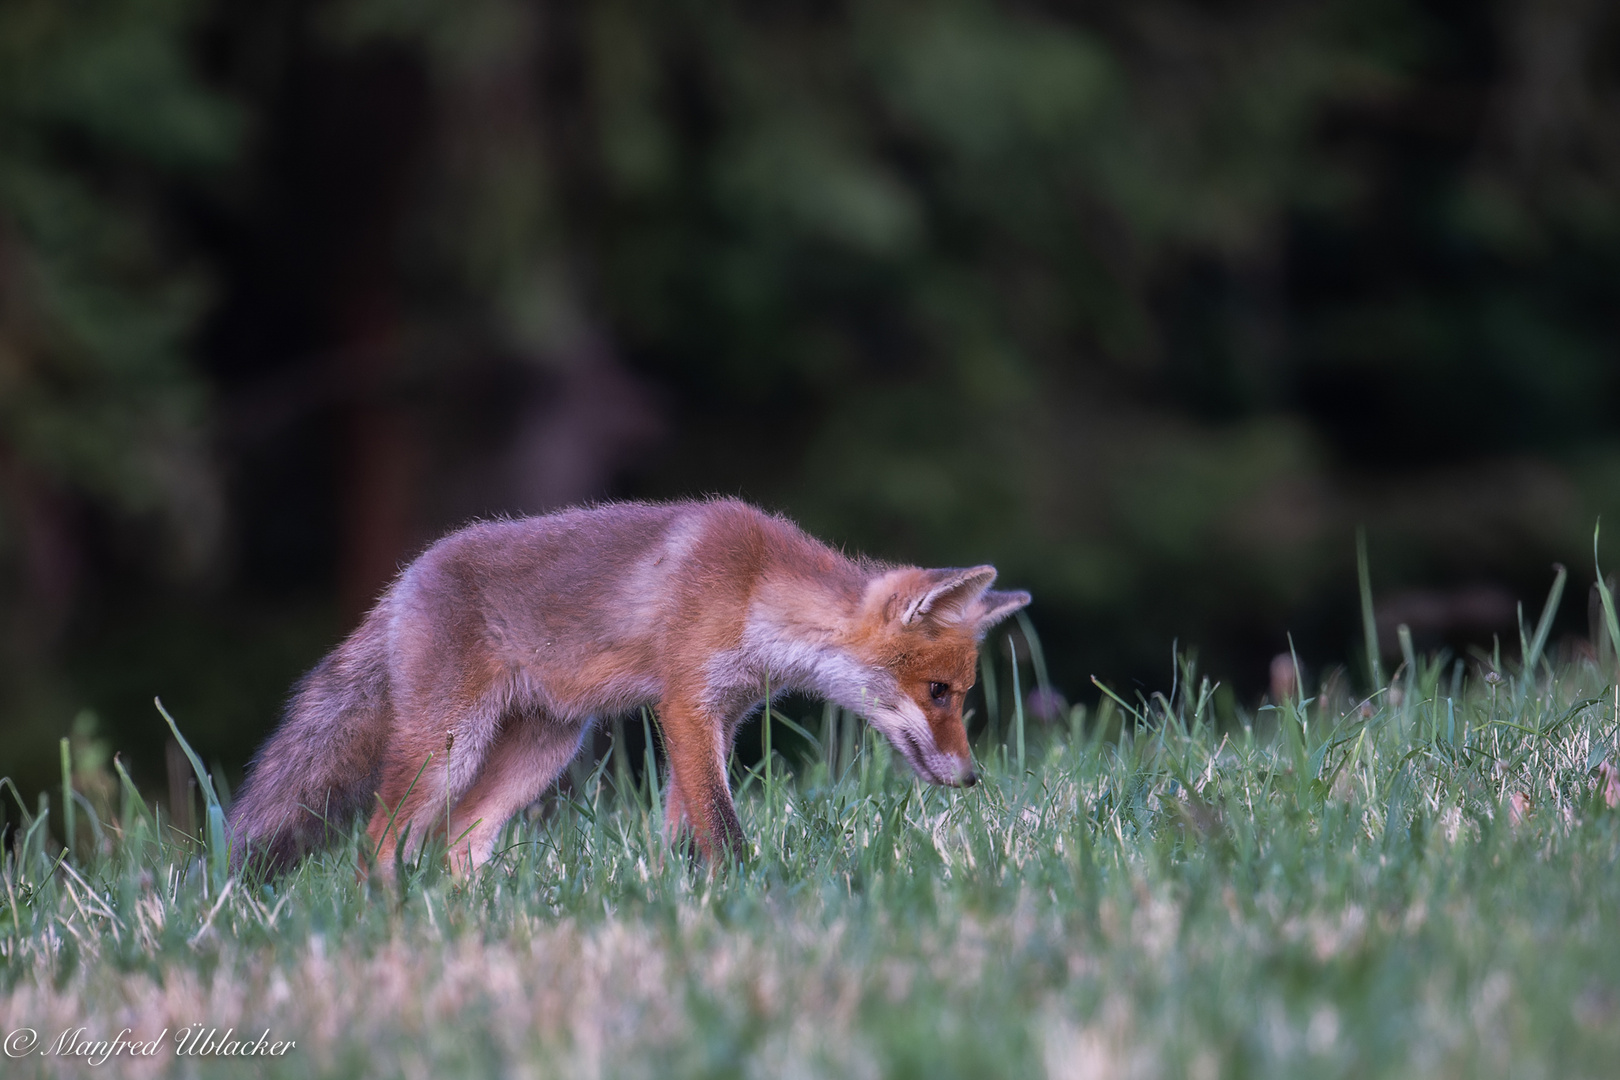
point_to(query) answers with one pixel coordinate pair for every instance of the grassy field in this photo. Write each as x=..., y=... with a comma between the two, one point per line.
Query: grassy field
x=1424, y=883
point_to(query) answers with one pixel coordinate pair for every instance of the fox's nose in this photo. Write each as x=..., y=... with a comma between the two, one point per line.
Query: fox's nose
x=970, y=779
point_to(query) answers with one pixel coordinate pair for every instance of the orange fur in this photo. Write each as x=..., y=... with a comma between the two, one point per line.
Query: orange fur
x=507, y=640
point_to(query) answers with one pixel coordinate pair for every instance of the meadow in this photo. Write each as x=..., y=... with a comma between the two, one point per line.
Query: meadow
x=1419, y=881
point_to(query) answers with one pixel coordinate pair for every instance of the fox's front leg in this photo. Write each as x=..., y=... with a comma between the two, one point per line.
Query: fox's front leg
x=695, y=742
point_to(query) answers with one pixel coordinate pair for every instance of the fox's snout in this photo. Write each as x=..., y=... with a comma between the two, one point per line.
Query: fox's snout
x=965, y=778
x=948, y=770
x=962, y=775
x=935, y=747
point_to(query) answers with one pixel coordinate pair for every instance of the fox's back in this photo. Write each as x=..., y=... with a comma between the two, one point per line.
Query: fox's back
x=530, y=580
x=593, y=605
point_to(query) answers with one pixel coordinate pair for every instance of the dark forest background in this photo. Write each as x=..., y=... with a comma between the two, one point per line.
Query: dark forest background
x=1150, y=303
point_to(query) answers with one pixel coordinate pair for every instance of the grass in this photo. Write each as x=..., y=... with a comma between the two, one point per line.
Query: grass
x=1421, y=884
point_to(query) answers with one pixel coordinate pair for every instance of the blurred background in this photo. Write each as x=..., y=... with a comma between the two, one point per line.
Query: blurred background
x=1152, y=304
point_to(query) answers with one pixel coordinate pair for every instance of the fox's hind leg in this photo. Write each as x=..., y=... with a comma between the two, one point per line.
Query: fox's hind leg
x=442, y=743
x=410, y=802
x=529, y=751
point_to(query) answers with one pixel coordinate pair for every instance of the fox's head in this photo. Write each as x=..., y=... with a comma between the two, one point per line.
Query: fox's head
x=922, y=628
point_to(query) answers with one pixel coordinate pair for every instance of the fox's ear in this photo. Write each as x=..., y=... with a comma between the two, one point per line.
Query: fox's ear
x=948, y=595
x=993, y=606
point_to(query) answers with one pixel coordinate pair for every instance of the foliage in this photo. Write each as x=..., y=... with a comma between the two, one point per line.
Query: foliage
x=1420, y=883
x=104, y=124
x=1130, y=299
x=921, y=235
x=98, y=106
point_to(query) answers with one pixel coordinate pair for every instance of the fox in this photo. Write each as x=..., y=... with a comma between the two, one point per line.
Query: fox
x=472, y=682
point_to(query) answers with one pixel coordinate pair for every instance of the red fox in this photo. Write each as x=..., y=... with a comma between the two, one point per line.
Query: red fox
x=497, y=649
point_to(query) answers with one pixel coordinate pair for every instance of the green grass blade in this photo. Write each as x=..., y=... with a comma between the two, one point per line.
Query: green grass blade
x=992, y=697
x=1037, y=655
x=69, y=822
x=219, y=856
x=394, y=813
x=27, y=818
x=1129, y=709
x=204, y=779
x=1018, y=706
x=1369, y=625
x=1605, y=595
x=1549, y=610
x=133, y=805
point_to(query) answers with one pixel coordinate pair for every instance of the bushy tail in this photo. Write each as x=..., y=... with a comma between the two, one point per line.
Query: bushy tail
x=320, y=767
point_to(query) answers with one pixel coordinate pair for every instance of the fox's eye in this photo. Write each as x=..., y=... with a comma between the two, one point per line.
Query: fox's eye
x=939, y=691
